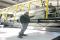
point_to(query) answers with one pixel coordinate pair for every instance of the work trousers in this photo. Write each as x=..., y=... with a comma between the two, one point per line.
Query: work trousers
x=23, y=28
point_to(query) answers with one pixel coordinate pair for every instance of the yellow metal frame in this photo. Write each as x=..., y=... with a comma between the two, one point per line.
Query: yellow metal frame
x=29, y=5
x=15, y=12
x=22, y=7
x=4, y=15
x=46, y=9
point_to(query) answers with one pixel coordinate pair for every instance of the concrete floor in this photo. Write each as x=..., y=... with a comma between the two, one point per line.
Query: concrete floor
x=36, y=36
x=12, y=33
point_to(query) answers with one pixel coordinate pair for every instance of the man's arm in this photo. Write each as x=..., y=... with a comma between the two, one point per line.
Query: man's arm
x=31, y=16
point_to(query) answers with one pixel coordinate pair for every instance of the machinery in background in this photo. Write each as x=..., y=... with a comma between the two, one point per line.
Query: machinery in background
x=11, y=14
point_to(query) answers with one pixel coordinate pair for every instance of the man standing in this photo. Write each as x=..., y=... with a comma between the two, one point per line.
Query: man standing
x=24, y=19
x=43, y=4
x=52, y=11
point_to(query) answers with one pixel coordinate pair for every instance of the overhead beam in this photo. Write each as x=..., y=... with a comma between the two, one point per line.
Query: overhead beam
x=4, y=4
x=2, y=7
x=7, y=2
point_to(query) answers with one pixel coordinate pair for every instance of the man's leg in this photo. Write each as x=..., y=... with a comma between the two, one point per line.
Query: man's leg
x=24, y=27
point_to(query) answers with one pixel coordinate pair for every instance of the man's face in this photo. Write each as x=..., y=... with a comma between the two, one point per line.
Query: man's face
x=27, y=13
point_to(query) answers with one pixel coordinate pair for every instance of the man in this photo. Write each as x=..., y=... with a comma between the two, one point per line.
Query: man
x=43, y=4
x=52, y=10
x=24, y=19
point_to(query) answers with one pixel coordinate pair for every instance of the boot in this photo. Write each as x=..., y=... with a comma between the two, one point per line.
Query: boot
x=20, y=36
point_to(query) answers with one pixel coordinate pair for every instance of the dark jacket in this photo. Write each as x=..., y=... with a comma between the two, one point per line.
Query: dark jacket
x=25, y=18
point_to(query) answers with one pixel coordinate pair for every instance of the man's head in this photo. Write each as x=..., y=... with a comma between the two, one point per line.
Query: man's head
x=26, y=13
x=50, y=3
x=43, y=1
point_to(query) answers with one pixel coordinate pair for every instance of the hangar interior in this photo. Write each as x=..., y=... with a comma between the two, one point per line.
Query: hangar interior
x=46, y=18
x=45, y=11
